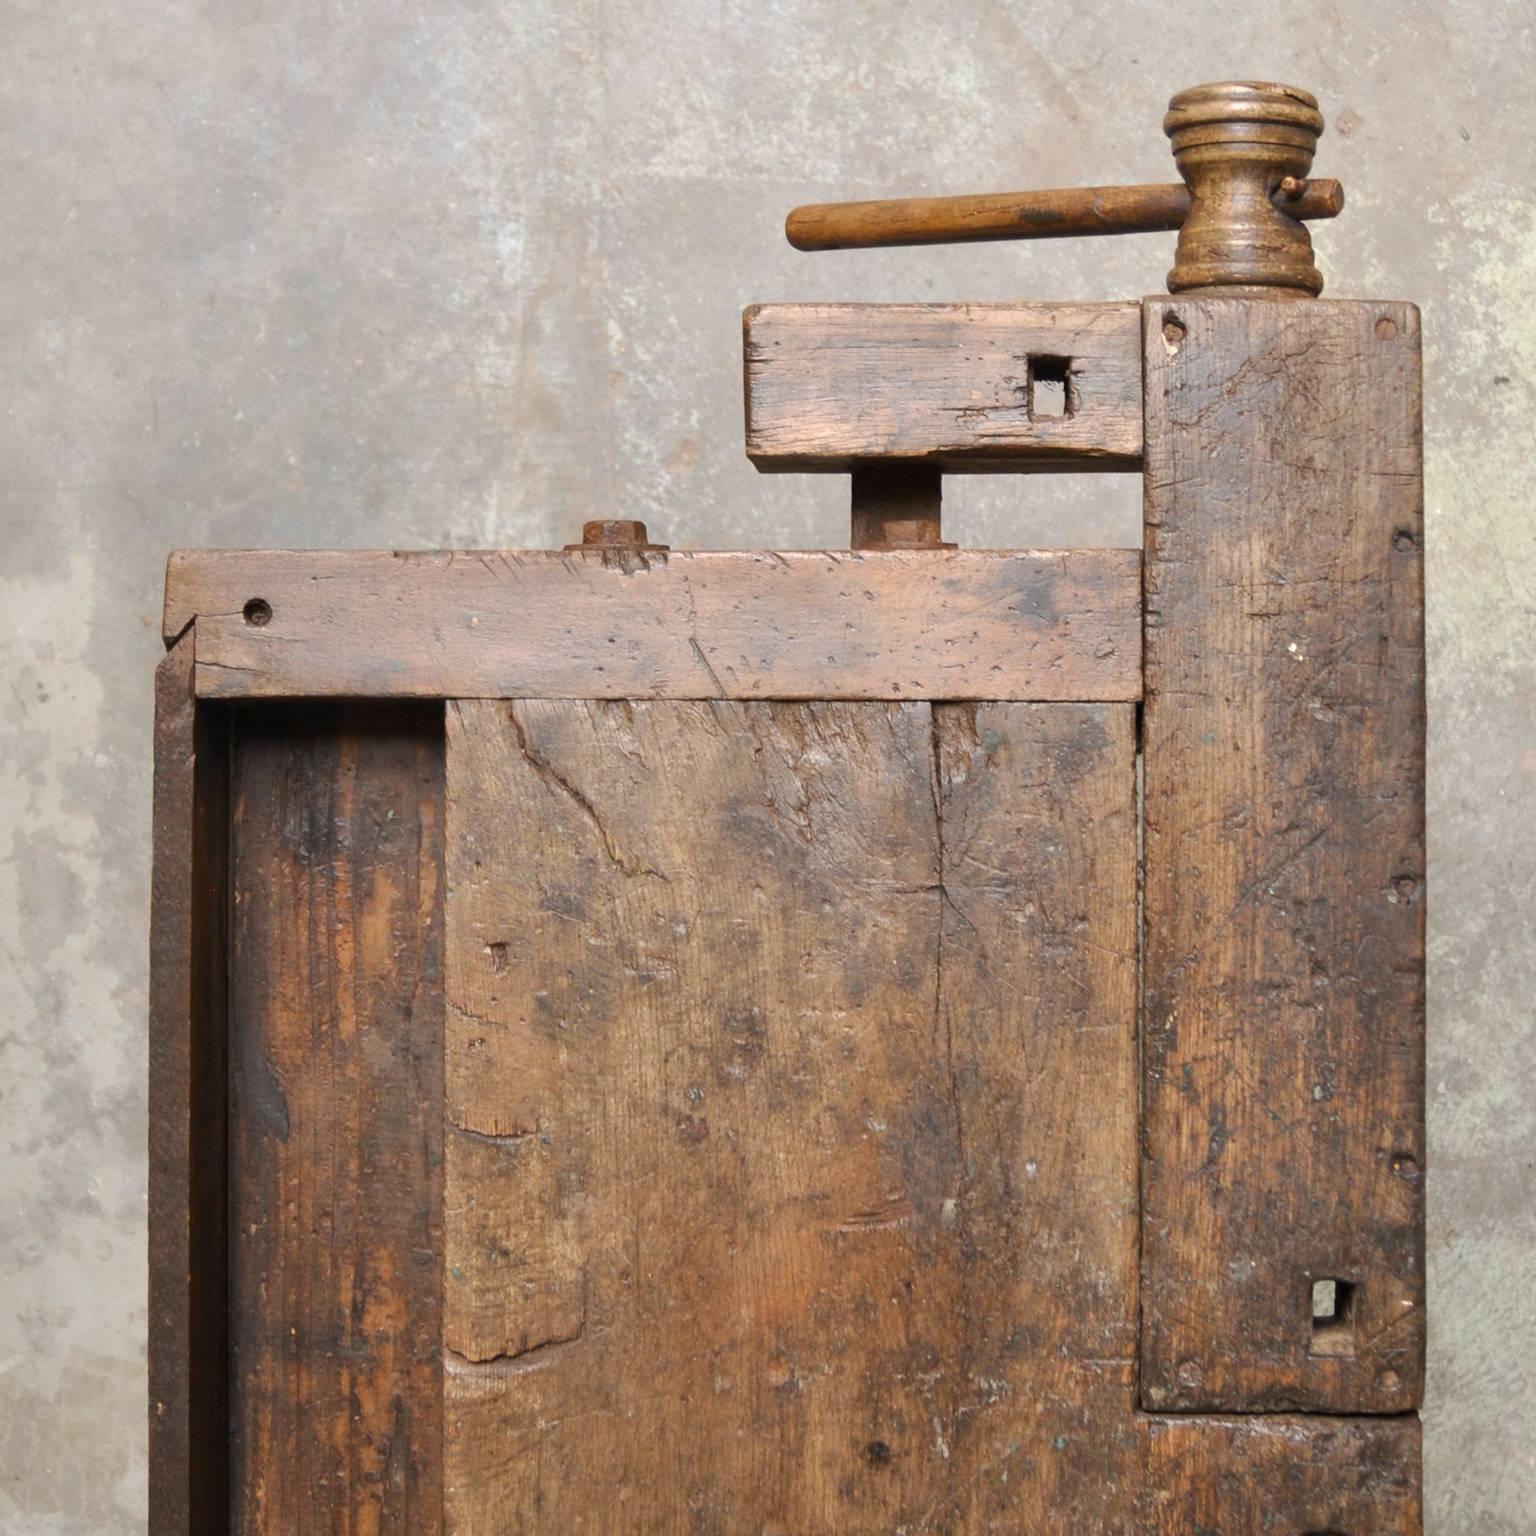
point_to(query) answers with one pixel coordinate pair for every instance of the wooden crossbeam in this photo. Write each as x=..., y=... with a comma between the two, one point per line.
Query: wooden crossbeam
x=913, y=624
x=972, y=387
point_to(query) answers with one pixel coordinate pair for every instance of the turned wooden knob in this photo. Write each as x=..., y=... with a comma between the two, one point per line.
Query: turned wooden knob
x=1244, y=149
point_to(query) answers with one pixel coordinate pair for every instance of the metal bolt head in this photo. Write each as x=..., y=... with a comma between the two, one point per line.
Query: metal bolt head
x=614, y=530
x=615, y=534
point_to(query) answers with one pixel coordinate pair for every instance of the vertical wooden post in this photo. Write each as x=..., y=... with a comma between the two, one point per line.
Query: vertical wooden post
x=335, y=1121
x=1284, y=816
x=897, y=504
x=187, y=1038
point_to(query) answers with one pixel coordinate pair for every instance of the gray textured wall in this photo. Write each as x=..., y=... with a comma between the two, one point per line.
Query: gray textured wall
x=448, y=272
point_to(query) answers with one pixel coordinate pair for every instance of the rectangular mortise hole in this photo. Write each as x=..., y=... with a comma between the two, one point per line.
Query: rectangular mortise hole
x=1333, y=1317
x=1050, y=387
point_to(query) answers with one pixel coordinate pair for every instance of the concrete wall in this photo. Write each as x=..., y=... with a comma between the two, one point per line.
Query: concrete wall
x=449, y=272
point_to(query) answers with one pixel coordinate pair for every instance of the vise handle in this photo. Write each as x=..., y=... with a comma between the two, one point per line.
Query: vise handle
x=1244, y=149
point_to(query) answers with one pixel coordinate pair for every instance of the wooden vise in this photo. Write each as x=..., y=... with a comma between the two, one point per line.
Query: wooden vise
x=897, y=394
x=837, y=1043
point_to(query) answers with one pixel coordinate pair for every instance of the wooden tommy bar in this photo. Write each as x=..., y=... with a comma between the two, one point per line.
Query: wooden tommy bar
x=895, y=1039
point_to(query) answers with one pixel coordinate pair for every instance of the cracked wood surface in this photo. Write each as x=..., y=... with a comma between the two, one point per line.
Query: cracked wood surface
x=1284, y=753
x=790, y=1161
x=926, y=624
x=336, y=1124
x=830, y=384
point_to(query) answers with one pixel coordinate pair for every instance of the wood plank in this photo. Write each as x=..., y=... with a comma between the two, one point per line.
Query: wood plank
x=187, y=1011
x=829, y=384
x=942, y=624
x=1284, y=750
x=1037, y=993
x=336, y=1123
x=1305, y=1476
x=790, y=1168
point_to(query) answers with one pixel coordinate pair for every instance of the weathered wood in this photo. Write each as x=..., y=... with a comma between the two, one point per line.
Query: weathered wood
x=1303, y=1476
x=187, y=999
x=791, y=1162
x=1036, y=981
x=1284, y=753
x=336, y=1122
x=789, y=1181
x=941, y=624
x=827, y=384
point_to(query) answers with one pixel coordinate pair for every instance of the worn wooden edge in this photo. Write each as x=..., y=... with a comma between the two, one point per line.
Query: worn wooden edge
x=1303, y=1474
x=1042, y=626
x=187, y=998
x=828, y=385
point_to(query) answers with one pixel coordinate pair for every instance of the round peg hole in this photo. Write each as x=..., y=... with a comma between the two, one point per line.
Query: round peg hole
x=258, y=612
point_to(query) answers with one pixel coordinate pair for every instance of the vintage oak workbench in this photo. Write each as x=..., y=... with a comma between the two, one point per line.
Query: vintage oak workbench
x=894, y=1040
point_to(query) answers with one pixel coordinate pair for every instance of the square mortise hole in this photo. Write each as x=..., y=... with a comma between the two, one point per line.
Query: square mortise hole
x=1050, y=387
x=1333, y=1317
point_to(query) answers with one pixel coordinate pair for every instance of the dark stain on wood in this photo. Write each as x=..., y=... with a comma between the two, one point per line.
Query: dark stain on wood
x=336, y=1130
x=188, y=1002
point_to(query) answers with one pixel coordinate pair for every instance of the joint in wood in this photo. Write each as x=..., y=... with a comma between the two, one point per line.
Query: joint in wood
x=1051, y=392
x=978, y=388
x=1333, y=1317
x=897, y=504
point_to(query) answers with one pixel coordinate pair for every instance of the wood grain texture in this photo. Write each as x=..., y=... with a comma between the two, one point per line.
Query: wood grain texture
x=336, y=1123
x=791, y=1151
x=829, y=384
x=1286, y=1473
x=942, y=624
x=187, y=1034
x=1284, y=830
